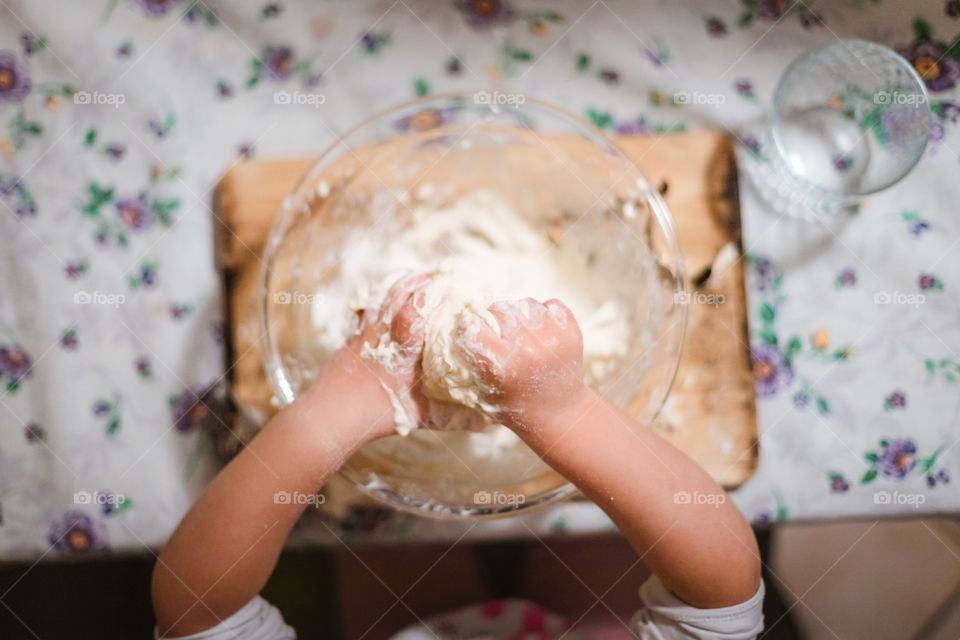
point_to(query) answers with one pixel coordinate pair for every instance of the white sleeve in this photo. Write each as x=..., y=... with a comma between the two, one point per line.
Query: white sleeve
x=664, y=616
x=257, y=620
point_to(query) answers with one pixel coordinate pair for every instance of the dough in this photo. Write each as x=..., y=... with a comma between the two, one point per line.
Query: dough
x=448, y=374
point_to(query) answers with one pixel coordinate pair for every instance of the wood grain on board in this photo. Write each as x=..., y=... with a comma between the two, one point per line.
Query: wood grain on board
x=711, y=411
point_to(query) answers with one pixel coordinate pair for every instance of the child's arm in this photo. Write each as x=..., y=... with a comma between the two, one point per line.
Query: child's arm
x=703, y=551
x=225, y=548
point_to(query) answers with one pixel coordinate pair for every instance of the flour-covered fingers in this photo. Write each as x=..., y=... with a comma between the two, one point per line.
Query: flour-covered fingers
x=406, y=326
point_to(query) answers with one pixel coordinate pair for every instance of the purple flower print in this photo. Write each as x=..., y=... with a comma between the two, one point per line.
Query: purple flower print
x=655, y=58
x=134, y=213
x=78, y=534
x=482, y=14
x=897, y=458
x=898, y=124
x=454, y=66
x=75, y=269
x=115, y=151
x=124, y=50
x=144, y=276
x=34, y=432
x=842, y=163
x=180, y=311
x=271, y=10
x=15, y=363
x=715, y=26
x=609, y=76
x=772, y=9
x=928, y=281
x=847, y=278
x=770, y=370
x=197, y=407
x=14, y=78
x=744, y=89
x=144, y=367
x=278, y=61
x=752, y=143
x=952, y=8
x=373, y=42
x=69, y=340
x=156, y=8
x=940, y=477
x=949, y=111
x=940, y=72
x=919, y=226
x=937, y=133
x=838, y=484
x=12, y=188
x=896, y=400
x=31, y=44
x=113, y=503
x=101, y=407
x=763, y=269
x=161, y=127
x=148, y=275
x=632, y=127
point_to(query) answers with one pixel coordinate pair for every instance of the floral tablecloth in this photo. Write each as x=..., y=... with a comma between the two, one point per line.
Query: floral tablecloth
x=120, y=115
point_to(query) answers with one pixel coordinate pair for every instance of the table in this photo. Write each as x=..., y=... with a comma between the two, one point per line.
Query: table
x=121, y=115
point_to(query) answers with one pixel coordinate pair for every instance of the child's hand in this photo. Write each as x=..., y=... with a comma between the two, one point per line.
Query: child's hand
x=380, y=367
x=533, y=368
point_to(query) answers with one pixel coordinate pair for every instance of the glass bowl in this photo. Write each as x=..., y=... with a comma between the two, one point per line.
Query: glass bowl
x=564, y=180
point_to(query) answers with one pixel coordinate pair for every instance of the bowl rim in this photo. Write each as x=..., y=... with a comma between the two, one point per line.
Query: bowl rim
x=271, y=360
x=778, y=98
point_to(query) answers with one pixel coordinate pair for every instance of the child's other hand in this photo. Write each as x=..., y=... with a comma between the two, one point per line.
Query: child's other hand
x=533, y=368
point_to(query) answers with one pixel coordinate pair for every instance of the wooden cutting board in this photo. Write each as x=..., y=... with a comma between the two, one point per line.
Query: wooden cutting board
x=711, y=412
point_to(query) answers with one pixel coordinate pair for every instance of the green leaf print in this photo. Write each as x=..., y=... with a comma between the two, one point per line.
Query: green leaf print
x=421, y=87
x=922, y=29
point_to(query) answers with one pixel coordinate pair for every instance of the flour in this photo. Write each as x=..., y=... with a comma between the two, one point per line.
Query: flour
x=478, y=251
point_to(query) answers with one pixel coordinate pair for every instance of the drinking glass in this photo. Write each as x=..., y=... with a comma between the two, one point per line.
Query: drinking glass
x=848, y=119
